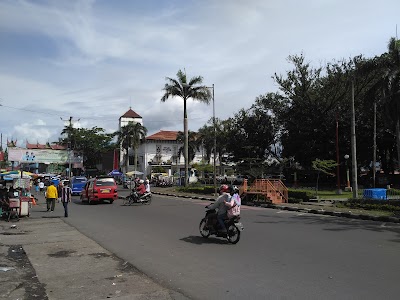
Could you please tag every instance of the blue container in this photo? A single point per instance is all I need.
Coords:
(379, 194)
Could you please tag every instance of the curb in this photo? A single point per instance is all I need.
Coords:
(307, 210)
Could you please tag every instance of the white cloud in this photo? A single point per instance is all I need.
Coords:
(94, 59)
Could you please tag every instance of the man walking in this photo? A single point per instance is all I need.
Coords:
(51, 196)
(66, 195)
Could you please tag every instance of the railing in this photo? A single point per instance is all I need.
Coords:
(272, 189)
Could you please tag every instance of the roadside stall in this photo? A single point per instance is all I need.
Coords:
(19, 197)
(23, 185)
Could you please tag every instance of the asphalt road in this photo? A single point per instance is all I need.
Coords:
(281, 254)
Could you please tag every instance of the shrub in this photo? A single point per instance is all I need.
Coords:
(296, 196)
(197, 189)
(374, 204)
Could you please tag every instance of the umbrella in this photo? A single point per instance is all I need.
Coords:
(131, 173)
(114, 173)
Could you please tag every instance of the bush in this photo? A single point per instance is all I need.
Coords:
(296, 196)
(197, 189)
(374, 204)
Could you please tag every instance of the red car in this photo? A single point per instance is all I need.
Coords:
(99, 189)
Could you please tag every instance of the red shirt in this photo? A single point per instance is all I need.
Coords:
(141, 189)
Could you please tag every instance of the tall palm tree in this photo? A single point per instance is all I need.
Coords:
(130, 136)
(185, 89)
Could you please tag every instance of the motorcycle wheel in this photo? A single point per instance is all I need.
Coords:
(204, 231)
(148, 200)
(233, 234)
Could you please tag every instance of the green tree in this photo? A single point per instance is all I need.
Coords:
(192, 89)
(391, 89)
(90, 143)
(206, 139)
(250, 136)
(130, 136)
(323, 166)
(193, 144)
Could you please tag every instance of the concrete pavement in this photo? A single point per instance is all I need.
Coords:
(42, 257)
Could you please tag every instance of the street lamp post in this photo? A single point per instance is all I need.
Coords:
(215, 142)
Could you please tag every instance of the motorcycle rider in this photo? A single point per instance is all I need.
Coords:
(220, 204)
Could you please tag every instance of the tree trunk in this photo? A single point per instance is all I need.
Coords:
(398, 142)
(127, 160)
(186, 142)
(135, 159)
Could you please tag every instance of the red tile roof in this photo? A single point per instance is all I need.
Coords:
(130, 114)
(163, 136)
(45, 146)
(36, 146)
(58, 147)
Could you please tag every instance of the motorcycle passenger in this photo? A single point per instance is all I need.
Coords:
(234, 203)
(220, 204)
(147, 185)
(141, 189)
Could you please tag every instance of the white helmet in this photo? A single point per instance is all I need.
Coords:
(141, 181)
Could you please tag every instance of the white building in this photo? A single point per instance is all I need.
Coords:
(129, 116)
(158, 149)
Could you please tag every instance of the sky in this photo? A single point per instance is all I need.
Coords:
(93, 60)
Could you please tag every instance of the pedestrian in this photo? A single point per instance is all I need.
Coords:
(41, 185)
(66, 196)
(59, 189)
(51, 196)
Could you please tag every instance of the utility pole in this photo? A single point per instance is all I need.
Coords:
(374, 154)
(215, 146)
(339, 190)
(353, 143)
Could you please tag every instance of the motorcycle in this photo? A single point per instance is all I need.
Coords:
(209, 226)
(135, 198)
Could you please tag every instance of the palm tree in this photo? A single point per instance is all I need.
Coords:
(130, 136)
(180, 87)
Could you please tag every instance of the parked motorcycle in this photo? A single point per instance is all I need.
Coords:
(209, 226)
(135, 198)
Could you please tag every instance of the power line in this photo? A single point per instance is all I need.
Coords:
(94, 118)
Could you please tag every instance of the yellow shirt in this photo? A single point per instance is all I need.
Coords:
(51, 192)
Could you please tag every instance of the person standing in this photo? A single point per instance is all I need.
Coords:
(66, 196)
(51, 196)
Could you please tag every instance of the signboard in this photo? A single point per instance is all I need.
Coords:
(47, 156)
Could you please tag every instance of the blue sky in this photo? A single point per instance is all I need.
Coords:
(92, 60)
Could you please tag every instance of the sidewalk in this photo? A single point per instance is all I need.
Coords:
(42, 257)
(323, 208)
